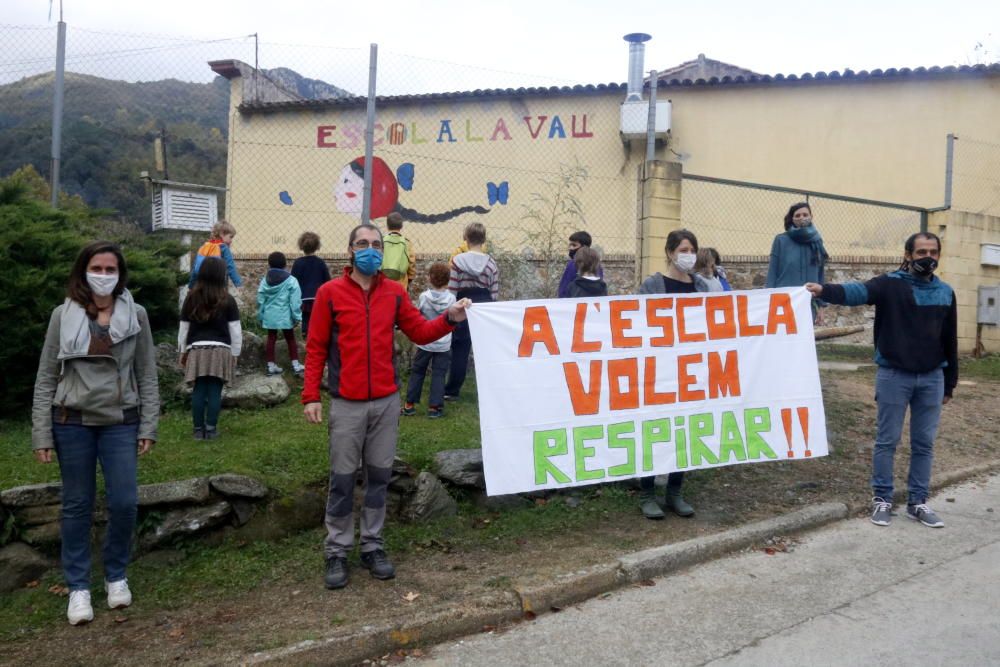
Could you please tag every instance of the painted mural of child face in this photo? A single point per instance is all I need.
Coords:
(347, 193)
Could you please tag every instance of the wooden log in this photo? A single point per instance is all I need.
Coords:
(837, 332)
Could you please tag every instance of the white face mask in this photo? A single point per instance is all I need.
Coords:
(102, 284)
(685, 261)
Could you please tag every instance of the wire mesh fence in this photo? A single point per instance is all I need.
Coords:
(282, 127)
(743, 219)
(976, 176)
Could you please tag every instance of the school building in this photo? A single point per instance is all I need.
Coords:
(534, 164)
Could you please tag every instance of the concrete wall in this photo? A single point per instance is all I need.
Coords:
(962, 235)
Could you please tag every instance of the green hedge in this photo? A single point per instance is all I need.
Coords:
(37, 247)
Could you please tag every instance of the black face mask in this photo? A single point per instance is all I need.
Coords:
(572, 252)
(924, 266)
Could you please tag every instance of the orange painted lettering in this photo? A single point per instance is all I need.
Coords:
(665, 322)
(780, 313)
(585, 401)
(723, 377)
(685, 379)
(649, 394)
(537, 328)
(682, 334)
(746, 329)
(620, 325)
(627, 399)
(714, 306)
(579, 344)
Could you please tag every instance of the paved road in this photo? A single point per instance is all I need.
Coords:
(849, 594)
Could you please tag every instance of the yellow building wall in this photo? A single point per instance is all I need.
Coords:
(874, 139)
(962, 236)
(284, 169)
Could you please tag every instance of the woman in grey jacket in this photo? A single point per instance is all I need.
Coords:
(96, 399)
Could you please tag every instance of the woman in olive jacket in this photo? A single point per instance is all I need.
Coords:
(96, 399)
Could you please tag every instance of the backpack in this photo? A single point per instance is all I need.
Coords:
(395, 258)
(207, 249)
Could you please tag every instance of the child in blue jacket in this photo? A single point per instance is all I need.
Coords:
(279, 308)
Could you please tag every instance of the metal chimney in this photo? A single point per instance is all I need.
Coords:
(636, 52)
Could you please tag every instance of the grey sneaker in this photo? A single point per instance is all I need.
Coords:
(924, 515)
(650, 508)
(199, 433)
(211, 433)
(881, 512)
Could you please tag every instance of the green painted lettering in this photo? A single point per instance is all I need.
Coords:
(702, 425)
(731, 440)
(617, 440)
(757, 421)
(548, 444)
(581, 452)
(654, 432)
(680, 443)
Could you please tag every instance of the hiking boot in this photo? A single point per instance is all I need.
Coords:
(678, 505)
(119, 596)
(378, 564)
(211, 433)
(298, 368)
(274, 369)
(408, 410)
(925, 515)
(79, 609)
(881, 512)
(435, 411)
(650, 508)
(199, 433)
(336, 572)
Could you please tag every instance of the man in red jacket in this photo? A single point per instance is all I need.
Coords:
(351, 330)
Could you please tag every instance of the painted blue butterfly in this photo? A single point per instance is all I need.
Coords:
(285, 198)
(497, 193)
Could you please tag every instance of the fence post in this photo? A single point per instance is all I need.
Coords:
(949, 164)
(366, 207)
(659, 211)
(57, 109)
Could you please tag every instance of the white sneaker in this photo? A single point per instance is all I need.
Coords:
(298, 368)
(119, 595)
(79, 610)
(274, 369)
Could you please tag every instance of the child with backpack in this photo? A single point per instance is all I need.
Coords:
(437, 355)
(217, 246)
(210, 338)
(279, 308)
(311, 272)
(398, 261)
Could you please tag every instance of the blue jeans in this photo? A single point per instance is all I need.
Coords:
(438, 361)
(894, 391)
(79, 448)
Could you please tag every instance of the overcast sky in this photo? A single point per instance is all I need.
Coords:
(461, 43)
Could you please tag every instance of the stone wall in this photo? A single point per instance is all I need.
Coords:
(30, 518)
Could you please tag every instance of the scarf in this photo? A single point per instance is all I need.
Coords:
(74, 326)
(810, 236)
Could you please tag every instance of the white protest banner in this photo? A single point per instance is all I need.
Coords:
(578, 391)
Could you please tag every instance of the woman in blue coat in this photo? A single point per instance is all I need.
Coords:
(798, 256)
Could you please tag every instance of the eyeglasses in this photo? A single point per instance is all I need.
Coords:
(362, 244)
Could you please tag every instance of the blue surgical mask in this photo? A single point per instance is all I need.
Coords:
(368, 261)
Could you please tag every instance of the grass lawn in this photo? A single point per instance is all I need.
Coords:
(276, 445)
